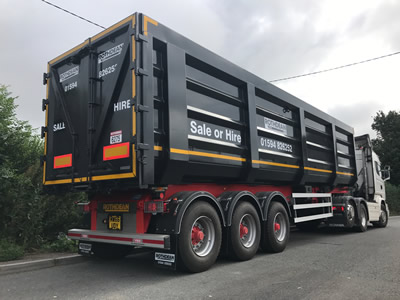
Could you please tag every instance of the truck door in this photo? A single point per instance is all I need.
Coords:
(374, 206)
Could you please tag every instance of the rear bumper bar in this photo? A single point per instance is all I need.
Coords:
(159, 241)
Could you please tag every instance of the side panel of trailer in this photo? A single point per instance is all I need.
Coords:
(215, 122)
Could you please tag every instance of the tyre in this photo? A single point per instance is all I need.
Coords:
(245, 232)
(200, 238)
(350, 215)
(362, 226)
(383, 218)
(308, 226)
(276, 229)
(110, 251)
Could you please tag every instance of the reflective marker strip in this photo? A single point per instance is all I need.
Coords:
(317, 170)
(110, 238)
(63, 161)
(147, 20)
(153, 242)
(117, 238)
(116, 151)
(344, 173)
(74, 234)
(206, 154)
(275, 164)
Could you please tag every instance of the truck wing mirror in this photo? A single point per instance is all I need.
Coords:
(385, 173)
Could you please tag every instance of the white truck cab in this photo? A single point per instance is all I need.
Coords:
(371, 180)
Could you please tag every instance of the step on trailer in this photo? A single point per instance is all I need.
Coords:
(184, 152)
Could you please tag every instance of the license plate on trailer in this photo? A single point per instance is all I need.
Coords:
(115, 222)
(85, 248)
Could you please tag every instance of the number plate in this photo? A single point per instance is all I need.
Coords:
(115, 222)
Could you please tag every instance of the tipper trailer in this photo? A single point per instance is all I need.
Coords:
(184, 152)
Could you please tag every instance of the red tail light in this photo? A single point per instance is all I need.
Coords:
(154, 207)
(339, 208)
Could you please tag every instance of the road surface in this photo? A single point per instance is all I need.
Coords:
(327, 264)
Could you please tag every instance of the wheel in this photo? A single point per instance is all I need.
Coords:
(200, 238)
(362, 219)
(110, 251)
(276, 229)
(245, 232)
(350, 215)
(308, 226)
(383, 218)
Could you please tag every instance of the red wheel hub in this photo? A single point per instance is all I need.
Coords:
(197, 235)
(277, 226)
(243, 230)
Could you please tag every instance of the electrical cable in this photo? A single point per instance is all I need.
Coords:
(71, 13)
(275, 80)
(336, 68)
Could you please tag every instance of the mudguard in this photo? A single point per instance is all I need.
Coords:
(265, 199)
(358, 201)
(228, 201)
(178, 203)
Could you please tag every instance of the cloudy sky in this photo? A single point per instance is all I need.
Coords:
(273, 39)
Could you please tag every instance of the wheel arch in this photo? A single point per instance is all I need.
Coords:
(229, 201)
(266, 198)
(188, 198)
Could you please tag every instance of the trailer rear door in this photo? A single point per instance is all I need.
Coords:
(90, 115)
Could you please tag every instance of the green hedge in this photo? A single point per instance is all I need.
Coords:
(10, 250)
(393, 198)
(29, 219)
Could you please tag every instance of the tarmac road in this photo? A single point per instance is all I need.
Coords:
(327, 264)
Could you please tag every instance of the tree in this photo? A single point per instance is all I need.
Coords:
(19, 194)
(387, 143)
(28, 217)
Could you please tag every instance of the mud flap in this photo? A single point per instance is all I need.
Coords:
(85, 248)
(167, 258)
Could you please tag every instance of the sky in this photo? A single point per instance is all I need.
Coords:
(270, 38)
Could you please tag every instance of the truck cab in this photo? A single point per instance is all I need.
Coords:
(371, 179)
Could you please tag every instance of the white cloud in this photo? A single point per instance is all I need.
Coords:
(272, 39)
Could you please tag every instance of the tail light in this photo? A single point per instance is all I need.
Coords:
(154, 207)
(338, 208)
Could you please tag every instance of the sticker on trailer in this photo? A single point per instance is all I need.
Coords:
(58, 126)
(71, 86)
(108, 70)
(69, 74)
(164, 257)
(110, 53)
(122, 105)
(275, 125)
(274, 145)
(214, 132)
(116, 137)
